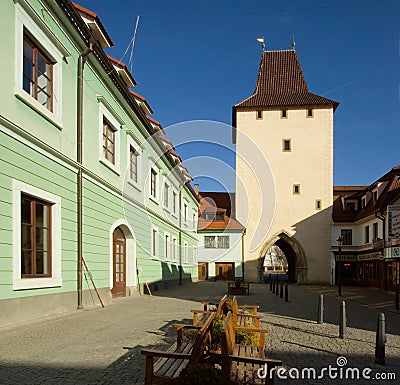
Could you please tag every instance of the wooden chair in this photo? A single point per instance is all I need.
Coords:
(245, 319)
(200, 315)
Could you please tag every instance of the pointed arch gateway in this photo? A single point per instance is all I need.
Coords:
(295, 255)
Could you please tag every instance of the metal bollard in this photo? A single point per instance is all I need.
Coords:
(321, 309)
(281, 290)
(380, 340)
(273, 287)
(270, 283)
(396, 301)
(343, 321)
(277, 288)
(286, 293)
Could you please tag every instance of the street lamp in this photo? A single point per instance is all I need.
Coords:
(340, 243)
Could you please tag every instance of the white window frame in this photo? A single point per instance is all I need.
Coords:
(155, 246)
(167, 246)
(104, 112)
(169, 200)
(174, 256)
(55, 280)
(185, 253)
(195, 258)
(157, 187)
(23, 20)
(185, 213)
(138, 150)
(194, 220)
(174, 208)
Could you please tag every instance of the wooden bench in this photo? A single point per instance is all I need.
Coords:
(182, 353)
(243, 289)
(240, 363)
(244, 319)
(200, 315)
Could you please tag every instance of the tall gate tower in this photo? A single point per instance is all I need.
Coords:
(284, 170)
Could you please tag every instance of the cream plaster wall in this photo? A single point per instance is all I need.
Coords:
(309, 164)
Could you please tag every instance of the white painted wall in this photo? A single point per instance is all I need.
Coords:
(212, 256)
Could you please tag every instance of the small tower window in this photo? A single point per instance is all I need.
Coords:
(259, 115)
(284, 114)
(310, 113)
(318, 204)
(296, 189)
(286, 145)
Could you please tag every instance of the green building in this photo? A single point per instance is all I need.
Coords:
(87, 178)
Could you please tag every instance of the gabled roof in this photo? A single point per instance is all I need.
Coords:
(142, 103)
(389, 195)
(281, 83)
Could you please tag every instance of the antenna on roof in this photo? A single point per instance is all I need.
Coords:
(293, 43)
(261, 40)
(133, 43)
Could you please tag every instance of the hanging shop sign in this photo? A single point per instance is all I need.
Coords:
(392, 252)
(367, 257)
(393, 221)
(346, 258)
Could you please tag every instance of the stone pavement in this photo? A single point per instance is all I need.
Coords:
(102, 346)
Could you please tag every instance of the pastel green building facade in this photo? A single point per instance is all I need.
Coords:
(151, 207)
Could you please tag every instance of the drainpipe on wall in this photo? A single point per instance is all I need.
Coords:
(243, 234)
(180, 237)
(81, 63)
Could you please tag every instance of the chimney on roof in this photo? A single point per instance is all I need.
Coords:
(196, 189)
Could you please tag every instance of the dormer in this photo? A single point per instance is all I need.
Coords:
(123, 71)
(156, 125)
(142, 102)
(96, 27)
(350, 205)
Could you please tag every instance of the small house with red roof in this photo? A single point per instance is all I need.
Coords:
(220, 234)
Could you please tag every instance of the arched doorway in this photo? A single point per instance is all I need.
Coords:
(294, 253)
(119, 263)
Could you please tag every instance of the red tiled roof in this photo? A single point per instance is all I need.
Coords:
(281, 82)
(389, 195)
(222, 199)
(153, 120)
(142, 99)
(210, 203)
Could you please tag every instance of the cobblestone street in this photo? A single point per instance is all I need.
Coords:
(102, 346)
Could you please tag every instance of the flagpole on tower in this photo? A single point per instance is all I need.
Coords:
(261, 40)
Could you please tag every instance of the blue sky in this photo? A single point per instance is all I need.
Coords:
(194, 59)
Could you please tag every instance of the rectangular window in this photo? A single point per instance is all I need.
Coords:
(318, 204)
(174, 200)
(209, 242)
(366, 234)
(347, 235)
(166, 246)
(286, 145)
(259, 115)
(375, 230)
(296, 189)
(194, 221)
(284, 114)
(166, 195)
(36, 229)
(37, 74)
(174, 249)
(223, 242)
(108, 141)
(310, 113)
(153, 183)
(185, 253)
(133, 165)
(185, 212)
(194, 255)
(375, 196)
(350, 206)
(154, 243)
(363, 202)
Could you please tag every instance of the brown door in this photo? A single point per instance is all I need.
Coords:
(225, 271)
(119, 264)
(203, 271)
